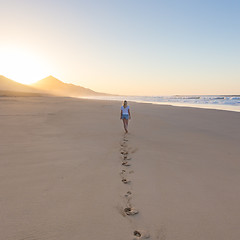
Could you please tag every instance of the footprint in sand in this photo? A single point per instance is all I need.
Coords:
(140, 234)
(128, 194)
(125, 163)
(124, 156)
(125, 181)
(124, 152)
(131, 211)
(124, 172)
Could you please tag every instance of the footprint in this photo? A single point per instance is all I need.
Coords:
(124, 180)
(140, 234)
(123, 149)
(125, 163)
(130, 211)
(128, 194)
(122, 173)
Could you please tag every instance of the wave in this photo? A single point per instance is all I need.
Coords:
(215, 101)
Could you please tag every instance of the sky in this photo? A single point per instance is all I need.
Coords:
(130, 47)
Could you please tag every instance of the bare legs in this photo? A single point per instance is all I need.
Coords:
(125, 124)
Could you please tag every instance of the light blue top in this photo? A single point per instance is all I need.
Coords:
(125, 110)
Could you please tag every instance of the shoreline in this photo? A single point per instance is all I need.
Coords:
(229, 108)
(223, 107)
(192, 105)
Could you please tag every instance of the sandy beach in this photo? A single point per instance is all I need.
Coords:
(61, 171)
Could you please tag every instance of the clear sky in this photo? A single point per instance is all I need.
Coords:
(138, 47)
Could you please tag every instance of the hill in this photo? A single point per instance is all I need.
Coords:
(7, 84)
(55, 86)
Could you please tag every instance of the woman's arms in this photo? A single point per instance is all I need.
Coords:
(129, 114)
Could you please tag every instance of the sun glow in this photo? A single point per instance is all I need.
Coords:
(21, 65)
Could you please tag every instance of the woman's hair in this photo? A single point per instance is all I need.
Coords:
(125, 103)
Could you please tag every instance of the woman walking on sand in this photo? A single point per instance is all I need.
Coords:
(125, 115)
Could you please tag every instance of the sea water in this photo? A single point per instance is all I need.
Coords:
(222, 102)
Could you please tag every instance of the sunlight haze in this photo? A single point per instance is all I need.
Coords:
(21, 65)
(133, 47)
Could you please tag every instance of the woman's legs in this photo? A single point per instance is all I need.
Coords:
(125, 124)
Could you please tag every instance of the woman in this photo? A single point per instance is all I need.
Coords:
(125, 115)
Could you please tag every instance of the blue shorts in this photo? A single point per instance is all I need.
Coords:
(125, 116)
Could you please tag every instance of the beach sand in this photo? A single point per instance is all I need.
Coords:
(61, 171)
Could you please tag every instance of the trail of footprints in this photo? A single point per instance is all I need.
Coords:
(129, 209)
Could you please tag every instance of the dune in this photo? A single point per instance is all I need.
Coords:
(63, 177)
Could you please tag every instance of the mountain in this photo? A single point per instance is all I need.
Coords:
(7, 84)
(54, 86)
(49, 85)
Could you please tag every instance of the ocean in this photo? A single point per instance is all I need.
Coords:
(221, 102)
